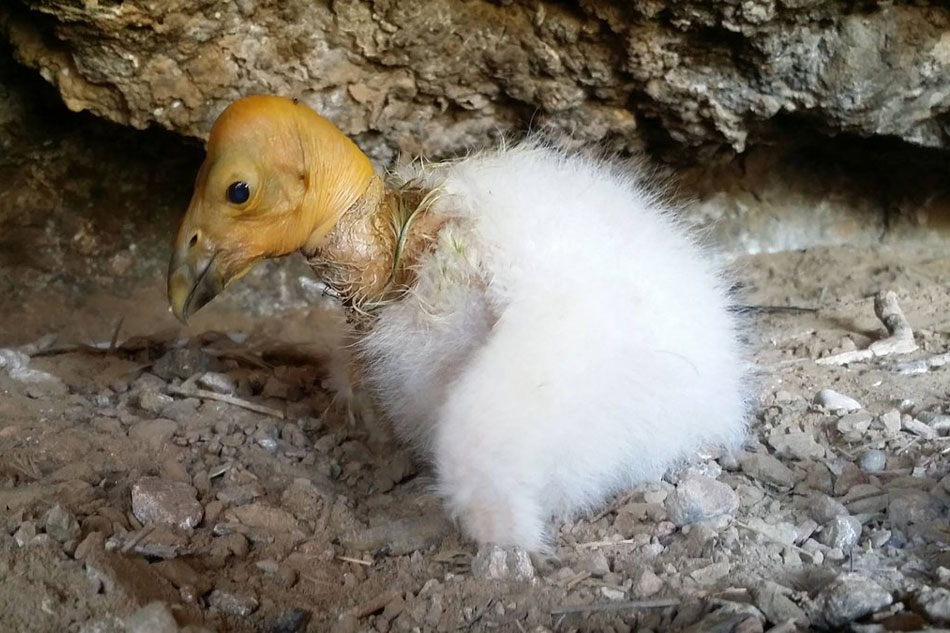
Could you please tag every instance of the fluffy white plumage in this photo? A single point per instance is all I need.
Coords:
(565, 339)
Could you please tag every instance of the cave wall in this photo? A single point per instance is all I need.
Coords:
(440, 76)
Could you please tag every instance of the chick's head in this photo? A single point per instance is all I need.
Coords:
(276, 178)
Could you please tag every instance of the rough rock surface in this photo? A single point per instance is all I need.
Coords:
(441, 79)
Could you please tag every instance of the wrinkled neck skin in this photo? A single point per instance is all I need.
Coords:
(356, 257)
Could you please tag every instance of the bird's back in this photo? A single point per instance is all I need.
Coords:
(603, 326)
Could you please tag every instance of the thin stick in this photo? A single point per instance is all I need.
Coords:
(616, 606)
(900, 341)
(138, 538)
(220, 397)
(113, 342)
(356, 561)
(606, 543)
(613, 507)
(576, 580)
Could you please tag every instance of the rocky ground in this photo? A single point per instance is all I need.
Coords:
(205, 480)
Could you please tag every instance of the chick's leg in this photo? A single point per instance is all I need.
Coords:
(488, 514)
(493, 465)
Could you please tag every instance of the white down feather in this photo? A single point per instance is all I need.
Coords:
(565, 339)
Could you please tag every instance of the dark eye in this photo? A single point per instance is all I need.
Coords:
(238, 192)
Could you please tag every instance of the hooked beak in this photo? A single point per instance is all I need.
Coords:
(194, 279)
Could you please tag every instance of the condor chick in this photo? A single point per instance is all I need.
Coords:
(539, 326)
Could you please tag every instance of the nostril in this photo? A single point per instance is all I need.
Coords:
(193, 241)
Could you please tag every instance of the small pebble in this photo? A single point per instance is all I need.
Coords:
(290, 621)
(934, 602)
(155, 617)
(842, 532)
(767, 469)
(891, 421)
(157, 500)
(873, 461)
(594, 563)
(646, 583)
(834, 401)
(853, 426)
(499, 563)
(847, 598)
(613, 593)
(912, 425)
(241, 605)
(61, 525)
(797, 445)
(698, 498)
(823, 508)
(25, 533)
(219, 383)
(773, 600)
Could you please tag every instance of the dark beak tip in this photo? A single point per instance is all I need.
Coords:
(182, 317)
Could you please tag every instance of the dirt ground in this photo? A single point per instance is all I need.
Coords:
(306, 523)
(155, 478)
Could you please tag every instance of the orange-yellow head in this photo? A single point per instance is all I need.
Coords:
(276, 178)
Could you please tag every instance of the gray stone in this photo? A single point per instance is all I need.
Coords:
(17, 365)
(234, 604)
(772, 600)
(61, 524)
(834, 401)
(502, 563)
(934, 602)
(797, 445)
(698, 498)
(157, 500)
(153, 401)
(182, 363)
(290, 621)
(842, 532)
(711, 574)
(908, 506)
(769, 470)
(646, 583)
(155, 617)
(613, 593)
(891, 421)
(239, 495)
(779, 532)
(912, 425)
(849, 597)
(25, 534)
(853, 426)
(214, 381)
(873, 461)
(594, 563)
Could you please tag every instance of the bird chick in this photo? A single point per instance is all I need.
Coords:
(535, 324)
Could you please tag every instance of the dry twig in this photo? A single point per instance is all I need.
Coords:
(616, 606)
(220, 397)
(355, 561)
(900, 341)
